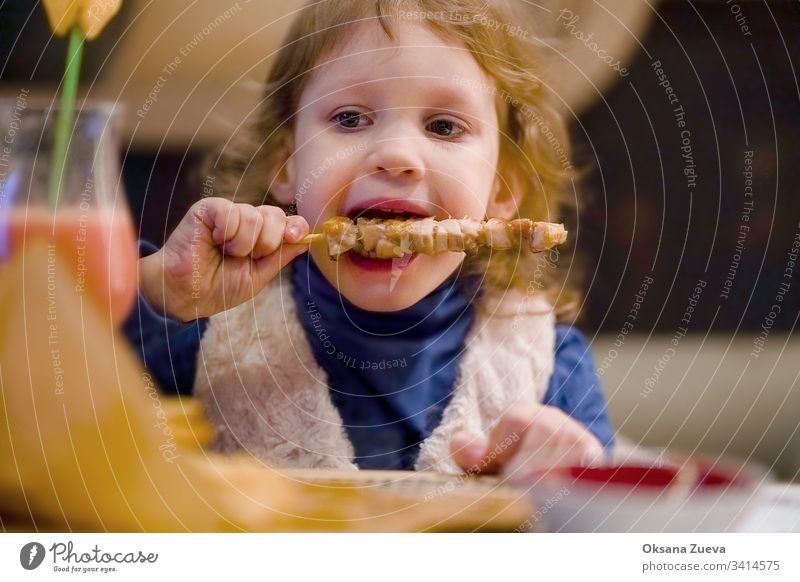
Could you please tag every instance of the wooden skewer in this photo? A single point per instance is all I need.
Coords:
(311, 238)
(527, 234)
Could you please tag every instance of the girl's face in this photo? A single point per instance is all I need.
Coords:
(408, 126)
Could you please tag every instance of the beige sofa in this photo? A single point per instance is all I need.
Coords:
(711, 394)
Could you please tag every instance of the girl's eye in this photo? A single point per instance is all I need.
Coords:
(447, 128)
(349, 119)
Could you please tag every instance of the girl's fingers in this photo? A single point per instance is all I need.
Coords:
(296, 229)
(481, 456)
(246, 235)
(569, 447)
(279, 229)
(507, 436)
(219, 216)
(271, 254)
(270, 236)
(467, 451)
(244, 230)
(527, 438)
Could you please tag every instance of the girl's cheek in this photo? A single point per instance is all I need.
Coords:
(468, 204)
(316, 206)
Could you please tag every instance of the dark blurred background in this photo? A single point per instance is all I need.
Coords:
(640, 217)
(637, 215)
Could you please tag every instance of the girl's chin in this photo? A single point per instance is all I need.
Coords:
(386, 285)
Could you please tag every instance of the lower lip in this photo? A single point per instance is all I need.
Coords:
(379, 265)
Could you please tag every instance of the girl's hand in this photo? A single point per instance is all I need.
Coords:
(220, 255)
(527, 438)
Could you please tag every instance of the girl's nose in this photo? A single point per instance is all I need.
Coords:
(399, 157)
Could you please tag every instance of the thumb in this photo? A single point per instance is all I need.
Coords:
(467, 450)
(266, 268)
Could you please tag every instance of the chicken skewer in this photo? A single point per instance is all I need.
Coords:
(392, 238)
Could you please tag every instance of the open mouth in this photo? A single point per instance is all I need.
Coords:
(384, 214)
(373, 264)
(393, 210)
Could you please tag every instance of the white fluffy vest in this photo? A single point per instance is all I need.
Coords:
(264, 391)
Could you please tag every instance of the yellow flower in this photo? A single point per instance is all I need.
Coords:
(91, 15)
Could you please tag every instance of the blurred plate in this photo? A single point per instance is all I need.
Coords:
(696, 495)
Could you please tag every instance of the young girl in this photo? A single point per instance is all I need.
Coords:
(425, 108)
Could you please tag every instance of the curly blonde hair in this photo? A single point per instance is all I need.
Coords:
(534, 157)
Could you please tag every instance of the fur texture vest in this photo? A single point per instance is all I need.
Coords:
(264, 391)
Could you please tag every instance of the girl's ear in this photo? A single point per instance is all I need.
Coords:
(505, 199)
(282, 178)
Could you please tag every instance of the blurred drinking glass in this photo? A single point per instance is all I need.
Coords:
(85, 221)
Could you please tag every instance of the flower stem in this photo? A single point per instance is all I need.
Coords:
(65, 116)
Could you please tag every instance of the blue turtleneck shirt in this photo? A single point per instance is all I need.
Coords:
(390, 374)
